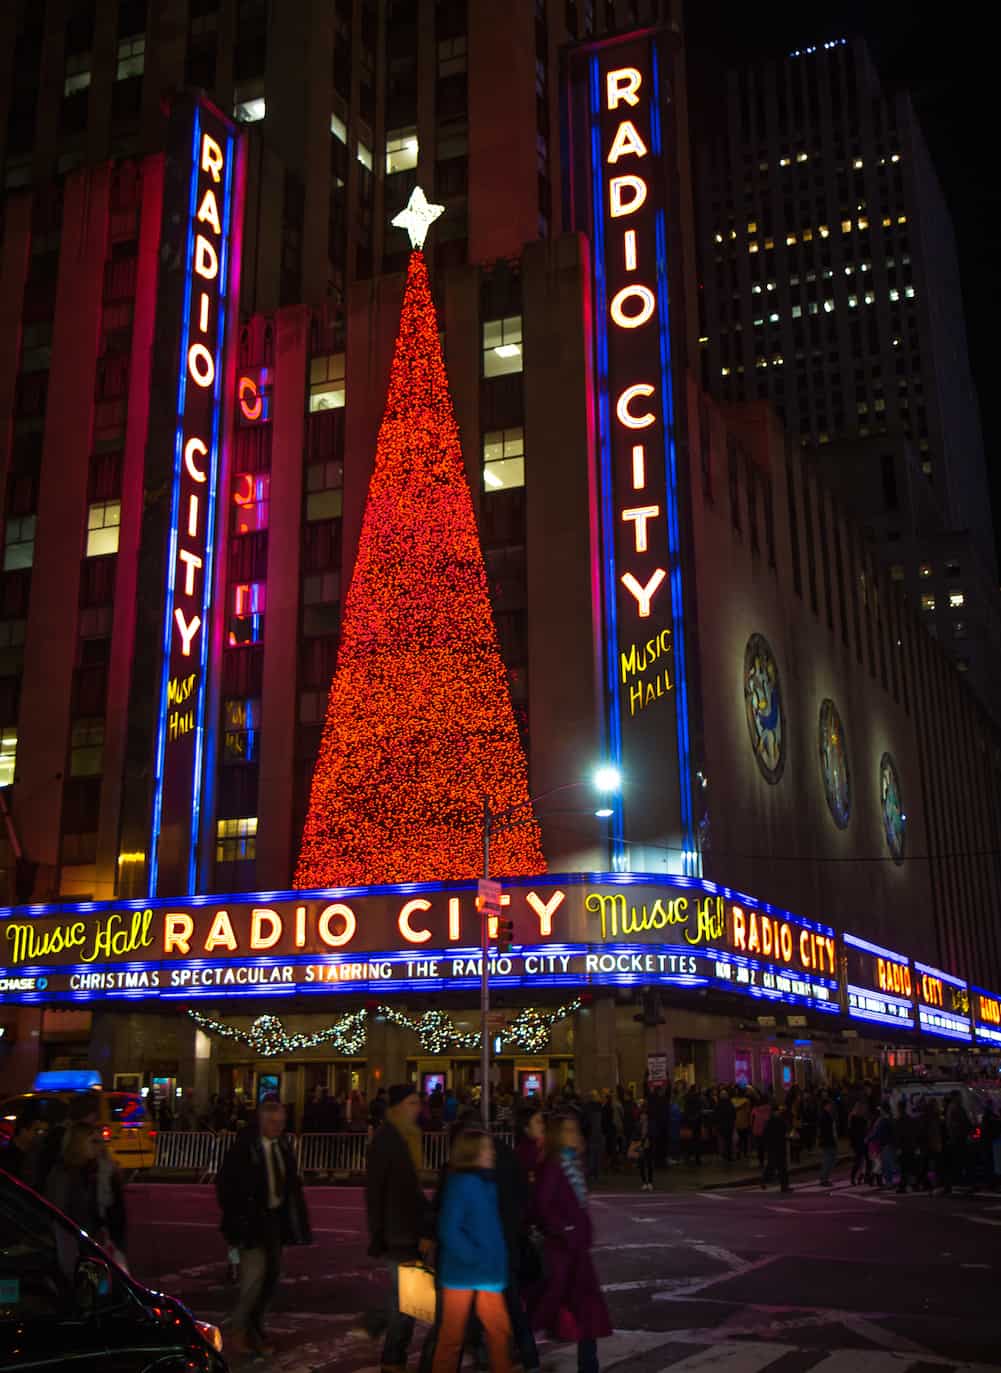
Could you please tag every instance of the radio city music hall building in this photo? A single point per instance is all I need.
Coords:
(801, 869)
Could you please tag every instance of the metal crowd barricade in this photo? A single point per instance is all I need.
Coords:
(202, 1152)
(191, 1151)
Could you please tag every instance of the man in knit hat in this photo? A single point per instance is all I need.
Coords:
(400, 1218)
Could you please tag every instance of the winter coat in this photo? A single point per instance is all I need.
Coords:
(74, 1192)
(760, 1117)
(858, 1128)
(774, 1138)
(742, 1111)
(399, 1214)
(568, 1300)
(472, 1252)
(827, 1128)
(242, 1190)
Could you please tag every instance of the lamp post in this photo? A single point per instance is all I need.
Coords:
(607, 781)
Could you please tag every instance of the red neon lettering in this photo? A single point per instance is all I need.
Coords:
(254, 407)
(639, 515)
(201, 365)
(643, 594)
(622, 84)
(187, 629)
(626, 143)
(212, 158)
(617, 186)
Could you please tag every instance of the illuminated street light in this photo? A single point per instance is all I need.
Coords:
(607, 778)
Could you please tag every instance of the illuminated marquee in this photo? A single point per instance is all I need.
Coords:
(986, 1016)
(568, 931)
(879, 984)
(210, 282)
(622, 193)
(943, 1003)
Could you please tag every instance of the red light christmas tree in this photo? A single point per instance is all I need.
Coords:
(419, 725)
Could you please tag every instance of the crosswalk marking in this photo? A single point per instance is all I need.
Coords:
(864, 1361)
(749, 1357)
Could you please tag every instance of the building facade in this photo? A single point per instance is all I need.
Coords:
(831, 289)
(675, 586)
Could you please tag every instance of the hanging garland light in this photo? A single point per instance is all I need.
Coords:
(436, 1031)
(528, 1032)
(268, 1037)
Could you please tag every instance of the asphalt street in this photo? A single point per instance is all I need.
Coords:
(841, 1281)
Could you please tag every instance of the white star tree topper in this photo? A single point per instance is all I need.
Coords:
(417, 217)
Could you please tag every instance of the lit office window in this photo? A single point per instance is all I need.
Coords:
(246, 616)
(925, 570)
(928, 601)
(364, 155)
(19, 543)
(324, 490)
(236, 840)
(131, 57)
(87, 748)
(251, 501)
(76, 73)
(326, 382)
(956, 600)
(502, 346)
(338, 128)
(104, 520)
(249, 110)
(401, 150)
(503, 459)
(959, 629)
(8, 755)
(241, 726)
(452, 56)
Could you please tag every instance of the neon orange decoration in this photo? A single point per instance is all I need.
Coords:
(419, 725)
(623, 413)
(647, 305)
(618, 205)
(622, 84)
(644, 594)
(627, 142)
(250, 398)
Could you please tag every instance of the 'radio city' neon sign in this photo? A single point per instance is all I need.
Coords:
(209, 281)
(619, 128)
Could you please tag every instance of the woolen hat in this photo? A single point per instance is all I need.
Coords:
(401, 1092)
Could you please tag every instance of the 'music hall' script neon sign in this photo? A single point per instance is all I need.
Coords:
(207, 287)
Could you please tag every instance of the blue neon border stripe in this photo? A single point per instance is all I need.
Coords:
(610, 578)
(671, 484)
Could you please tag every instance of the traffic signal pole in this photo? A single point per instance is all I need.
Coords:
(485, 979)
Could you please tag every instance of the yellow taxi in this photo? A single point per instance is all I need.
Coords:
(121, 1116)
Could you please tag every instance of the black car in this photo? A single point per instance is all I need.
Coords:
(64, 1304)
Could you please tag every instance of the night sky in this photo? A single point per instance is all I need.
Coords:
(952, 76)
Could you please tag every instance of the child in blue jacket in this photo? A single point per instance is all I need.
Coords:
(472, 1256)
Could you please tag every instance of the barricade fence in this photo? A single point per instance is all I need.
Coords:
(202, 1151)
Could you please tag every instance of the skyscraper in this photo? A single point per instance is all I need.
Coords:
(831, 289)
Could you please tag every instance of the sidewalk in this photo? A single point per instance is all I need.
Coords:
(712, 1174)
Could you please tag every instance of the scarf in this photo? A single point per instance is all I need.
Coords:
(411, 1134)
(574, 1174)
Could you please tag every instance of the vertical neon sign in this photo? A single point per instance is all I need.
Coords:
(208, 286)
(616, 131)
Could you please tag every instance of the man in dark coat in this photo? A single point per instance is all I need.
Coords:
(263, 1208)
(776, 1148)
(400, 1217)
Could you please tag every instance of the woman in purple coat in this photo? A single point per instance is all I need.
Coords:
(568, 1301)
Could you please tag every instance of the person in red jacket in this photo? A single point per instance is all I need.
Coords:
(568, 1301)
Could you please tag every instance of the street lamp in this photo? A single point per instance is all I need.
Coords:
(606, 779)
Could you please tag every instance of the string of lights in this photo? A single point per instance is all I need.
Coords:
(268, 1037)
(528, 1032)
(419, 728)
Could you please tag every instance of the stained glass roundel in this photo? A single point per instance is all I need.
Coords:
(891, 808)
(764, 708)
(834, 767)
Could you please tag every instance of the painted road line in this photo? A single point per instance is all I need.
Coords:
(742, 1357)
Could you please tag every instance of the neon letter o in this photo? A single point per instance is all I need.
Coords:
(201, 365)
(647, 301)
